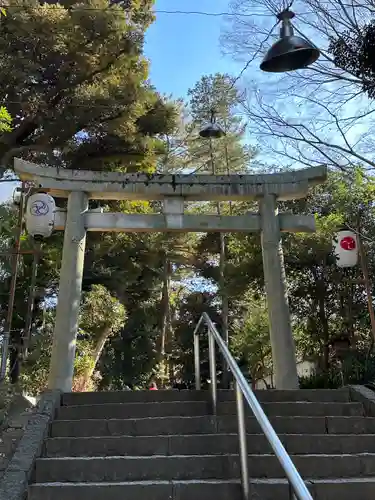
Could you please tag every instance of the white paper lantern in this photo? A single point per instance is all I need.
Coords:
(40, 215)
(345, 246)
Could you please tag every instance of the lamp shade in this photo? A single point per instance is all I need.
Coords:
(211, 131)
(290, 52)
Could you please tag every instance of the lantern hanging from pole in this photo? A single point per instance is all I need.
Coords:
(40, 215)
(345, 247)
(291, 52)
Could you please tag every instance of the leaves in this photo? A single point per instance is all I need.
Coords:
(74, 80)
(5, 120)
(100, 312)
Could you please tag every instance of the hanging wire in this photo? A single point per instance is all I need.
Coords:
(236, 79)
(256, 53)
(215, 14)
(157, 11)
(177, 12)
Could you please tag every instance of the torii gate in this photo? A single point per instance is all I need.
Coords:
(79, 186)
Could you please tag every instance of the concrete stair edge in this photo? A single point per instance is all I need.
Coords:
(185, 490)
(207, 425)
(201, 408)
(185, 467)
(329, 395)
(198, 443)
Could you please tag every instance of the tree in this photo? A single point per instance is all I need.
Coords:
(77, 88)
(191, 307)
(74, 81)
(46, 283)
(35, 368)
(354, 51)
(131, 267)
(101, 316)
(335, 299)
(251, 339)
(312, 116)
(326, 302)
(216, 95)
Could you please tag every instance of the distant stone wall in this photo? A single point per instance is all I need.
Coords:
(304, 369)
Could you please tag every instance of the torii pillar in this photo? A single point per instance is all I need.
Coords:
(281, 335)
(173, 190)
(70, 288)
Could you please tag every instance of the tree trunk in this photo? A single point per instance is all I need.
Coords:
(324, 323)
(165, 307)
(224, 305)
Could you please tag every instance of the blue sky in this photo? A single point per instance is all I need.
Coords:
(181, 48)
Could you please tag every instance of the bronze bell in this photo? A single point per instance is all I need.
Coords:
(211, 131)
(290, 52)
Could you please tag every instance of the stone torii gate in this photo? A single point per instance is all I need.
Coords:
(80, 186)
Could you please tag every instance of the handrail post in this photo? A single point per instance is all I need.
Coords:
(213, 377)
(197, 362)
(242, 438)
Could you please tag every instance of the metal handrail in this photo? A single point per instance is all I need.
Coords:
(297, 486)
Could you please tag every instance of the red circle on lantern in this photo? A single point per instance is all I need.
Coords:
(348, 243)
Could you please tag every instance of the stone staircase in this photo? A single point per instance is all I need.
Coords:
(161, 445)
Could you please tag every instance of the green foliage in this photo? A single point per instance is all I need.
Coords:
(250, 339)
(129, 359)
(34, 374)
(216, 93)
(73, 78)
(190, 310)
(100, 312)
(101, 316)
(5, 119)
(358, 368)
(230, 154)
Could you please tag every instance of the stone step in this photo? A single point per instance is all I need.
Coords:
(197, 467)
(300, 409)
(135, 410)
(209, 425)
(196, 408)
(211, 444)
(345, 489)
(312, 395)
